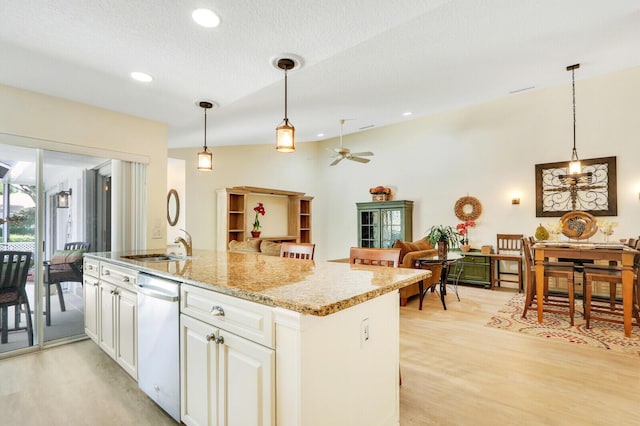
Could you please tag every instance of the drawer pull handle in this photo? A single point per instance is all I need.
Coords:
(217, 311)
(215, 338)
(106, 272)
(125, 279)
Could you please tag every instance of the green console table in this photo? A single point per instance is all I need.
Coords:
(474, 269)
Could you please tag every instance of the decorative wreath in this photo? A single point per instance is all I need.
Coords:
(476, 208)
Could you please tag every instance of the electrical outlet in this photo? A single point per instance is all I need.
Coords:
(364, 332)
(156, 232)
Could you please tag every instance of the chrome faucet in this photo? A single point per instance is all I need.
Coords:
(185, 242)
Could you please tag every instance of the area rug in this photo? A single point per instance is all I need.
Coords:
(602, 334)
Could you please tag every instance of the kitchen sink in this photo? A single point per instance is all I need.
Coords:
(154, 257)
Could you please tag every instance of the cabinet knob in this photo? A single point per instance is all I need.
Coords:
(217, 311)
(215, 338)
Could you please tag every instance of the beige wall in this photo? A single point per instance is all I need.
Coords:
(82, 127)
(487, 151)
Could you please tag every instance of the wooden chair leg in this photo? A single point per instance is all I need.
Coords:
(571, 291)
(29, 322)
(587, 302)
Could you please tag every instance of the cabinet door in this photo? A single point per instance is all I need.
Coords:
(91, 314)
(391, 226)
(369, 228)
(126, 332)
(107, 318)
(198, 373)
(246, 382)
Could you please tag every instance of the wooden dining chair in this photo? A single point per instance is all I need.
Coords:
(14, 269)
(386, 257)
(375, 256)
(303, 251)
(508, 261)
(552, 301)
(612, 310)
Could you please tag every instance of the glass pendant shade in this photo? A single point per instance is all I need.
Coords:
(205, 160)
(285, 137)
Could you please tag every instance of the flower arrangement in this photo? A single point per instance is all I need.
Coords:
(554, 228)
(380, 190)
(259, 209)
(463, 230)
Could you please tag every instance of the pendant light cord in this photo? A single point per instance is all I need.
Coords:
(573, 87)
(205, 129)
(286, 72)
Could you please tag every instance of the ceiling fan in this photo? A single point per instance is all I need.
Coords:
(345, 153)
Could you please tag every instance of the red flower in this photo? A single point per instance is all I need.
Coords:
(259, 209)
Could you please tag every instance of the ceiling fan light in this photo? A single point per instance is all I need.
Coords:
(285, 137)
(205, 160)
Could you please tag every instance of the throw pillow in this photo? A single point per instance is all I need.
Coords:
(249, 246)
(423, 244)
(270, 248)
(67, 256)
(404, 248)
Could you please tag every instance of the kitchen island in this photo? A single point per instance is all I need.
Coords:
(281, 341)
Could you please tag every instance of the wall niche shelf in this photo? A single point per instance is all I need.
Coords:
(235, 216)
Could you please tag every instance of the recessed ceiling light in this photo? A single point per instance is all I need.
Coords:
(141, 76)
(320, 135)
(406, 114)
(205, 17)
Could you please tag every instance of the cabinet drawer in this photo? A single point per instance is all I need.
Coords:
(123, 277)
(484, 260)
(242, 317)
(91, 267)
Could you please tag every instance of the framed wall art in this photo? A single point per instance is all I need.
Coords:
(598, 196)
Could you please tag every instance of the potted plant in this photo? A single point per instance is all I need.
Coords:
(442, 237)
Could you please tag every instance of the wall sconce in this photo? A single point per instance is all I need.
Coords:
(63, 199)
(515, 198)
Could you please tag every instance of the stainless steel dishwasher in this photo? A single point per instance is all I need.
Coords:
(159, 341)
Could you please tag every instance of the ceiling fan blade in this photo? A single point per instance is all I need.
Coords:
(362, 154)
(336, 161)
(358, 159)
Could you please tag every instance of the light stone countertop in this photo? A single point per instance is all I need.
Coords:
(308, 287)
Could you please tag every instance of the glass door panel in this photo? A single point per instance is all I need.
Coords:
(74, 188)
(18, 233)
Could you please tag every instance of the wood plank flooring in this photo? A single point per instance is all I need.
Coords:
(455, 370)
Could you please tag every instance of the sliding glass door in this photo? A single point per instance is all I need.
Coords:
(56, 206)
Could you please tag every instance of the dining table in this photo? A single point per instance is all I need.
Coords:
(585, 251)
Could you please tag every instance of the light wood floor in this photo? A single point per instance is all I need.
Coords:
(455, 370)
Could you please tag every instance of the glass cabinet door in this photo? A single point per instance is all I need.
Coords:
(369, 228)
(390, 227)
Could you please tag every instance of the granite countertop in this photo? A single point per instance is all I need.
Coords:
(308, 287)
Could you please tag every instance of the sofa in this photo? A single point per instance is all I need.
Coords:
(265, 247)
(409, 252)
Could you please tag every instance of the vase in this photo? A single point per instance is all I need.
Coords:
(255, 234)
(465, 248)
(443, 249)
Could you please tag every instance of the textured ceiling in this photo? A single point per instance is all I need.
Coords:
(369, 60)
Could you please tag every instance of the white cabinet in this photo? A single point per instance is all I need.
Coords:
(226, 379)
(90, 294)
(111, 312)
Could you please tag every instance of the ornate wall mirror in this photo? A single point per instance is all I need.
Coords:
(173, 207)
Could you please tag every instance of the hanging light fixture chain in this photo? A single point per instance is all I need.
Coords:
(286, 72)
(205, 129)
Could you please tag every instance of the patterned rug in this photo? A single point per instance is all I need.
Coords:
(602, 334)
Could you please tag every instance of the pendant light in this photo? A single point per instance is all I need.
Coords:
(205, 158)
(285, 132)
(575, 175)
